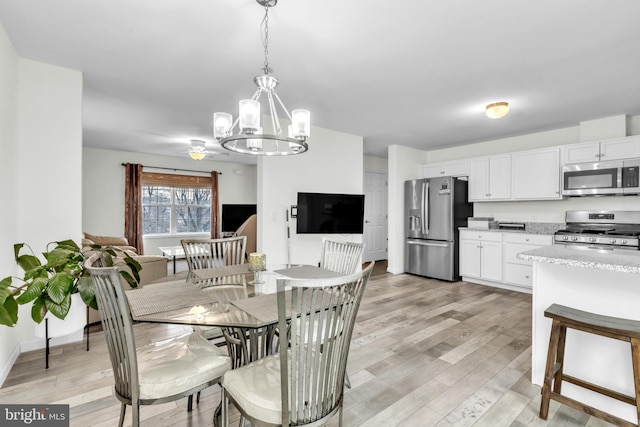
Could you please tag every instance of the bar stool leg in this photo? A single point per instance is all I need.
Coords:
(557, 378)
(548, 372)
(635, 361)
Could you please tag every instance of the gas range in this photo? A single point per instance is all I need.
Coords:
(601, 230)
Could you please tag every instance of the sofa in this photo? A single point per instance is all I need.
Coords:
(249, 229)
(154, 267)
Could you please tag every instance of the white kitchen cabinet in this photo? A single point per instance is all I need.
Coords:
(490, 178)
(450, 168)
(612, 149)
(481, 255)
(536, 174)
(519, 272)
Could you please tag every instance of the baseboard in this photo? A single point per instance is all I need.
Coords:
(7, 368)
(500, 285)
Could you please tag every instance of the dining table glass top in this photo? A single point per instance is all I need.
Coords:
(192, 299)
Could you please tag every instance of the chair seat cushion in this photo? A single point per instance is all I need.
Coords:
(256, 388)
(179, 364)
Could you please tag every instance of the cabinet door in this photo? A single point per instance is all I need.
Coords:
(624, 148)
(491, 261)
(469, 258)
(536, 174)
(580, 153)
(478, 179)
(500, 177)
(456, 168)
(432, 170)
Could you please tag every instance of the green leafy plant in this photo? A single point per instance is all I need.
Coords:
(49, 285)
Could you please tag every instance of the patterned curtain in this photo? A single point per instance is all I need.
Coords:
(133, 205)
(215, 207)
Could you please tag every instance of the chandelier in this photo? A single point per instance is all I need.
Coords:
(249, 138)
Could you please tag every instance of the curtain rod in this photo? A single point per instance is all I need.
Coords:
(173, 169)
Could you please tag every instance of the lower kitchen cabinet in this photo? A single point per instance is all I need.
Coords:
(491, 258)
(481, 255)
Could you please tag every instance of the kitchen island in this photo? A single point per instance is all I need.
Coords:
(599, 281)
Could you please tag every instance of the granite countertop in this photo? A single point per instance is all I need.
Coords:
(529, 228)
(620, 261)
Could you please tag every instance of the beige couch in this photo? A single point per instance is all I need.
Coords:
(154, 267)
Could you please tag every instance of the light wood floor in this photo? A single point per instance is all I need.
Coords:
(424, 353)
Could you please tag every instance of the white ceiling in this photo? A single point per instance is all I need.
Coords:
(410, 72)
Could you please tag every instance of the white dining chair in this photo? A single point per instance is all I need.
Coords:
(341, 257)
(303, 384)
(211, 253)
(158, 372)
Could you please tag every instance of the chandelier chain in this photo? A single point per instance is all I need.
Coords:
(265, 39)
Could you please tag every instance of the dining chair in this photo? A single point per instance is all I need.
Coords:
(211, 253)
(303, 384)
(155, 373)
(341, 257)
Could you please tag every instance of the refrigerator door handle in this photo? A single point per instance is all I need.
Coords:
(423, 243)
(425, 207)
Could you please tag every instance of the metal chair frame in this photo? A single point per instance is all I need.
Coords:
(211, 253)
(341, 257)
(313, 364)
(117, 325)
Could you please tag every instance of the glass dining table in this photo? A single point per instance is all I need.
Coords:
(220, 297)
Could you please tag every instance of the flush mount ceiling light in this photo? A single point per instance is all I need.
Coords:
(250, 139)
(198, 150)
(497, 110)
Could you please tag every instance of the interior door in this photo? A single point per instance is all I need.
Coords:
(375, 217)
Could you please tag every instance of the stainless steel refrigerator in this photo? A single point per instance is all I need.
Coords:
(435, 208)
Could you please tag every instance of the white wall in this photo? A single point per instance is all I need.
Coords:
(9, 337)
(403, 165)
(103, 193)
(40, 171)
(333, 164)
(376, 164)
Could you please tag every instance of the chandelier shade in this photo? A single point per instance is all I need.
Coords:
(249, 137)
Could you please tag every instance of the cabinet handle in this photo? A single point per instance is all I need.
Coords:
(527, 276)
(526, 240)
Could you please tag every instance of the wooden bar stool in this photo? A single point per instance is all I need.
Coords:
(611, 327)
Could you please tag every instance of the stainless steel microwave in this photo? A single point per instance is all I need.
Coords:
(611, 177)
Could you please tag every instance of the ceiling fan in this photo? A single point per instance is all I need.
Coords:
(198, 150)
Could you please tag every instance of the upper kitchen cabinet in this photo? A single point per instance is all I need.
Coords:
(490, 178)
(536, 174)
(450, 168)
(612, 149)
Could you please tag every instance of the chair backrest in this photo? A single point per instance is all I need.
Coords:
(341, 257)
(322, 314)
(210, 253)
(117, 325)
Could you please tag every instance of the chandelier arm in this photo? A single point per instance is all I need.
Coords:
(256, 94)
(275, 122)
(283, 107)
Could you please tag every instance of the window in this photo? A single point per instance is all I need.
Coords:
(173, 204)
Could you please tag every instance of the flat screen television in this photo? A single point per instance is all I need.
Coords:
(324, 213)
(234, 215)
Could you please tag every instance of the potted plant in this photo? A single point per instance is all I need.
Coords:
(49, 285)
